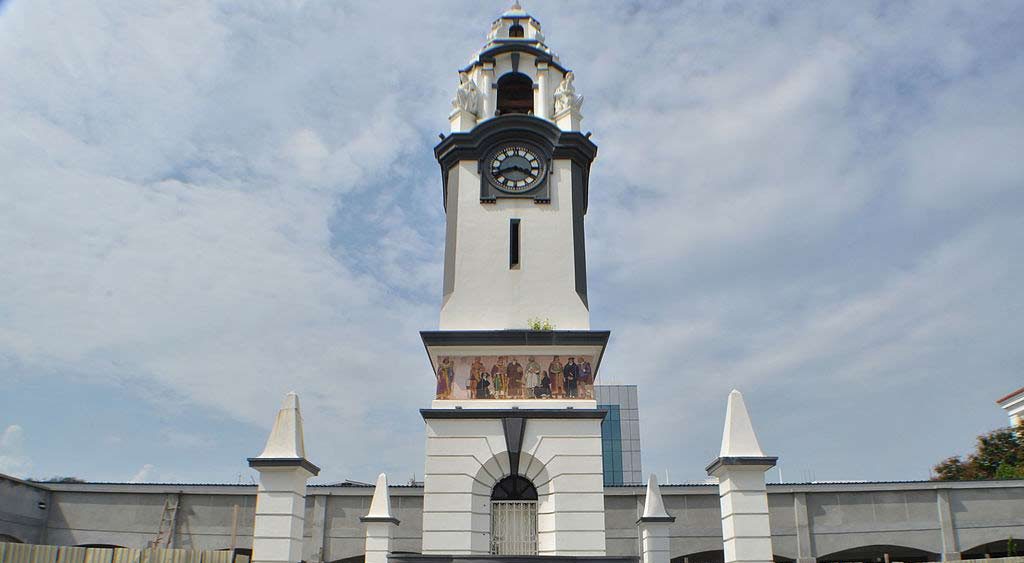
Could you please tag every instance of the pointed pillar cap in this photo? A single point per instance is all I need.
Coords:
(285, 445)
(654, 505)
(380, 506)
(739, 442)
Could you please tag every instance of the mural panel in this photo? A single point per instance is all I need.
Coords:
(515, 377)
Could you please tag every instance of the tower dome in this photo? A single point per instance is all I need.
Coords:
(515, 72)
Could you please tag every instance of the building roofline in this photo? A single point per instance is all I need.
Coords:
(1013, 394)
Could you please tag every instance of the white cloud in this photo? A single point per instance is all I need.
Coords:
(13, 460)
(142, 475)
(227, 204)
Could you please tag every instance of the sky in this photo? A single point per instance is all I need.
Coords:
(205, 204)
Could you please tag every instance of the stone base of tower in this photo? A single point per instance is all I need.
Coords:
(516, 468)
(468, 454)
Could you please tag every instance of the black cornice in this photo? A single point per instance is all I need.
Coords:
(523, 337)
(302, 462)
(501, 48)
(475, 144)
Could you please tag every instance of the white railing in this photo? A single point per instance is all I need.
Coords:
(514, 527)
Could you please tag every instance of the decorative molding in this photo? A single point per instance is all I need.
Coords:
(256, 462)
(481, 414)
(767, 462)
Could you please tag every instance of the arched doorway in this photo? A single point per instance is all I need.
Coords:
(514, 517)
(515, 94)
(879, 554)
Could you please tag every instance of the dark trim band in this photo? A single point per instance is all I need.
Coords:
(518, 337)
(391, 520)
(480, 414)
(767, 462)
(284, 462)
(645, 519)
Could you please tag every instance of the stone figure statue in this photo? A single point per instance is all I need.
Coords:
(565, 95)
(467, 97)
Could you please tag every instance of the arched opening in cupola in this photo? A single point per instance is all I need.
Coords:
(516, 30)
(515, 94)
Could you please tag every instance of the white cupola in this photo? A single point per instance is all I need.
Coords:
(515, 72)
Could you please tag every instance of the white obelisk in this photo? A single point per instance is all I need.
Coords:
(380, 523)
(281, 494)
(740, 468)
(654, 526)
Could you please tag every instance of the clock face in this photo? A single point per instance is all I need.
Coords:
(516, 168)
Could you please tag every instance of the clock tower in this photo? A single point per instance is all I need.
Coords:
(513, 454)
(515, 170)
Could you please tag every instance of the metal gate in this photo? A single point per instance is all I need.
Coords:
(514, 527)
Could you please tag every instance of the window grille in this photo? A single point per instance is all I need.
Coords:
(514, 527)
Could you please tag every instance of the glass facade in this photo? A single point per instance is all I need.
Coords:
(620, 434)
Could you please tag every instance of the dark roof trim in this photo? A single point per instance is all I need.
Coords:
(765, 461)
(391, 520)
(523, 337)
(488, 55)
(471, 414)
(646, 519)
(284, 462)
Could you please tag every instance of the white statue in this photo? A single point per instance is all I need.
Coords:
(467, 97)
(565, 95)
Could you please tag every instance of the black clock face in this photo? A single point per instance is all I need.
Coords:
(516, 168)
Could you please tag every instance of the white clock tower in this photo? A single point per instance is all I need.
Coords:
(515, 170)
(513, 463)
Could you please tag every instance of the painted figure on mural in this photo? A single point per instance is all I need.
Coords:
(532, 376)
(557, 378)
(445, 377)
(515, 379)
(483, 387)
(544, 389)
(498, 371)
(571, 374)
(586, 378)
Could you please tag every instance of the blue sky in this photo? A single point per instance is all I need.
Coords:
(206, 204)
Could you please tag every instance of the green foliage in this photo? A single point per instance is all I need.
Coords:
(537, 323)
(1011, 547)
(998, 455)
(59, 479)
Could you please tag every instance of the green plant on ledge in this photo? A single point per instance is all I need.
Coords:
(537, 323)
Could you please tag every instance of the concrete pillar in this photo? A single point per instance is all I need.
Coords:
(462, 121)
(380, 523)
(740, 468)
(568, 119)
(654, 526)
(314, 552)
(804, 553)
(950, 549)
(542, 99)
(488, 93)
(281, 493)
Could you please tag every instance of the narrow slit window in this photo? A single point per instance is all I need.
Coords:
(513, 245)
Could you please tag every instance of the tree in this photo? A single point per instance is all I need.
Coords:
(60, 479)
(998, 455)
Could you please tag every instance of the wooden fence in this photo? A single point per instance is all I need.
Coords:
(28, 553)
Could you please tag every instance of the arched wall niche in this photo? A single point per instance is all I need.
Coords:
(515, 94)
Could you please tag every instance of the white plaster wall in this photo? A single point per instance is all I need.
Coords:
(488, 294)
(467, 457)
(280, 515)
(746, 531)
